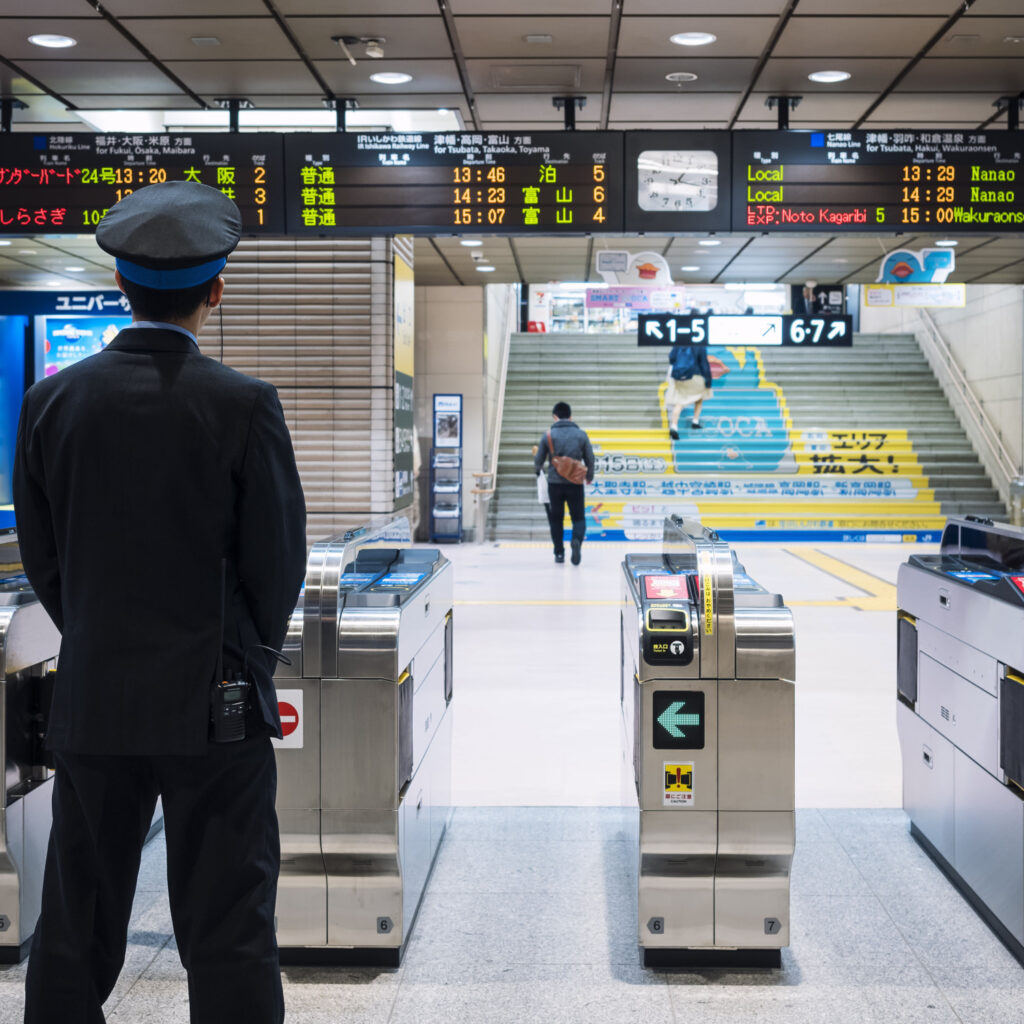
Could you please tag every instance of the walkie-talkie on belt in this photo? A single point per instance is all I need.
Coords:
(229, 698)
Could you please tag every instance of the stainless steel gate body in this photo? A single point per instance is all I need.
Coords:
(707, 702)
(28, 646)
(960, 714)
(365, 800)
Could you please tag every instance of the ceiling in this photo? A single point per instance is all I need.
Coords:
(914, 64)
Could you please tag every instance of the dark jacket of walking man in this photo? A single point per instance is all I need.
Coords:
(162, 525)
(565, 439)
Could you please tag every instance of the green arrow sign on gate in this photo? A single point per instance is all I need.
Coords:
(670, 719)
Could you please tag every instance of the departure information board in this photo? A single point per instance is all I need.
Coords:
(878, 181)
(540, 183)
(64, 184)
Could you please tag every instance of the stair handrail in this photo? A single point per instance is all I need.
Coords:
(486, 487)
(940, 356)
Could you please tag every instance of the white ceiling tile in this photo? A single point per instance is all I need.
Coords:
(576, 76)
(422, 38)
(240, 38)
(504, 37)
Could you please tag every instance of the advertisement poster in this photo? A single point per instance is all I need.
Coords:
(67, 340)
(447, 421)
(404, 342)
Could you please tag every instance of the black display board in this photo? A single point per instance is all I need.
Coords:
(878, 181)
(678, 181)
(64, 184)
(523, 183)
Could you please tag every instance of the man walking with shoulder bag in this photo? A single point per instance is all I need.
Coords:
(571, 462)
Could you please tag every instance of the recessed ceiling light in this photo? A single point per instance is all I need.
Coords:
(54, 42)
(1013, 39)
(4, 241)
(840, 259)
(471, 242)
(442, 111)
(486, 270)
(829, 76)
(947, 241)
(24, 252)
(681, 76)
(53, 284)
(539, 38)
(689, 270)
(709, 241)
(391, 78)
(75, 270)
(693, 38)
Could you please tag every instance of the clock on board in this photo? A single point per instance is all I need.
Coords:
(673, 181)
(677, 179)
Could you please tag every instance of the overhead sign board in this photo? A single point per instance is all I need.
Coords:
(521, 183)
(878, 181)
(64, 184)
(807, 331)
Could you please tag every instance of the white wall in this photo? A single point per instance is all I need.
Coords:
(986, 338)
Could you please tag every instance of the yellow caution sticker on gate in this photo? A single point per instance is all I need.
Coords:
(708, 594)
(678, 784)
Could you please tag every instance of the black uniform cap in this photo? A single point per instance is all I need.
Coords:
(171, 236)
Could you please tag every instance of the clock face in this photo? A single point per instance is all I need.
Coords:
(677, 180)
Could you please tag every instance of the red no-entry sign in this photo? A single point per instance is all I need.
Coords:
(289, 717)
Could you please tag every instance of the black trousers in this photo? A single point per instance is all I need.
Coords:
(560, 495)
(223, 857)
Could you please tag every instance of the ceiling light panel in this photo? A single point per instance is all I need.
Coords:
(652, 37)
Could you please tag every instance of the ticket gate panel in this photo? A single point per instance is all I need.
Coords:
(441, 783)
(707, 663)
(964, 713)
(755, 852)
(677, 878)
(963, 659)
(756, 745)
(928, 784)
(658, 699)
(961, 637)
(372, 633)
(302, 885)
(428, 703)
(360, 750)
(989, 824)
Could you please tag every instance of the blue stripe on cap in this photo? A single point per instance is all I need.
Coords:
(170, 280)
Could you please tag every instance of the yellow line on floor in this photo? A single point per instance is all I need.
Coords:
(879, 594)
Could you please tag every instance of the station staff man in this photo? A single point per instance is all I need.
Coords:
(162, 524)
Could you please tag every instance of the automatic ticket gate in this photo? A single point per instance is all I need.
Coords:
(29, 643)
(364, 770)
(708, 666)
(960, 714)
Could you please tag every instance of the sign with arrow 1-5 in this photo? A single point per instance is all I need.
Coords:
(825, 331)
(678, 719)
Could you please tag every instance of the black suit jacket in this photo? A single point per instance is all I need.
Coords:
(139, 473)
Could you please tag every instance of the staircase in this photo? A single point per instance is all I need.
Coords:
(795, 443)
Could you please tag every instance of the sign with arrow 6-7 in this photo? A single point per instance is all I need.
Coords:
(678, 720)
(825, 331)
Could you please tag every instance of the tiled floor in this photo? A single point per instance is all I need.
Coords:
(530, 917)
